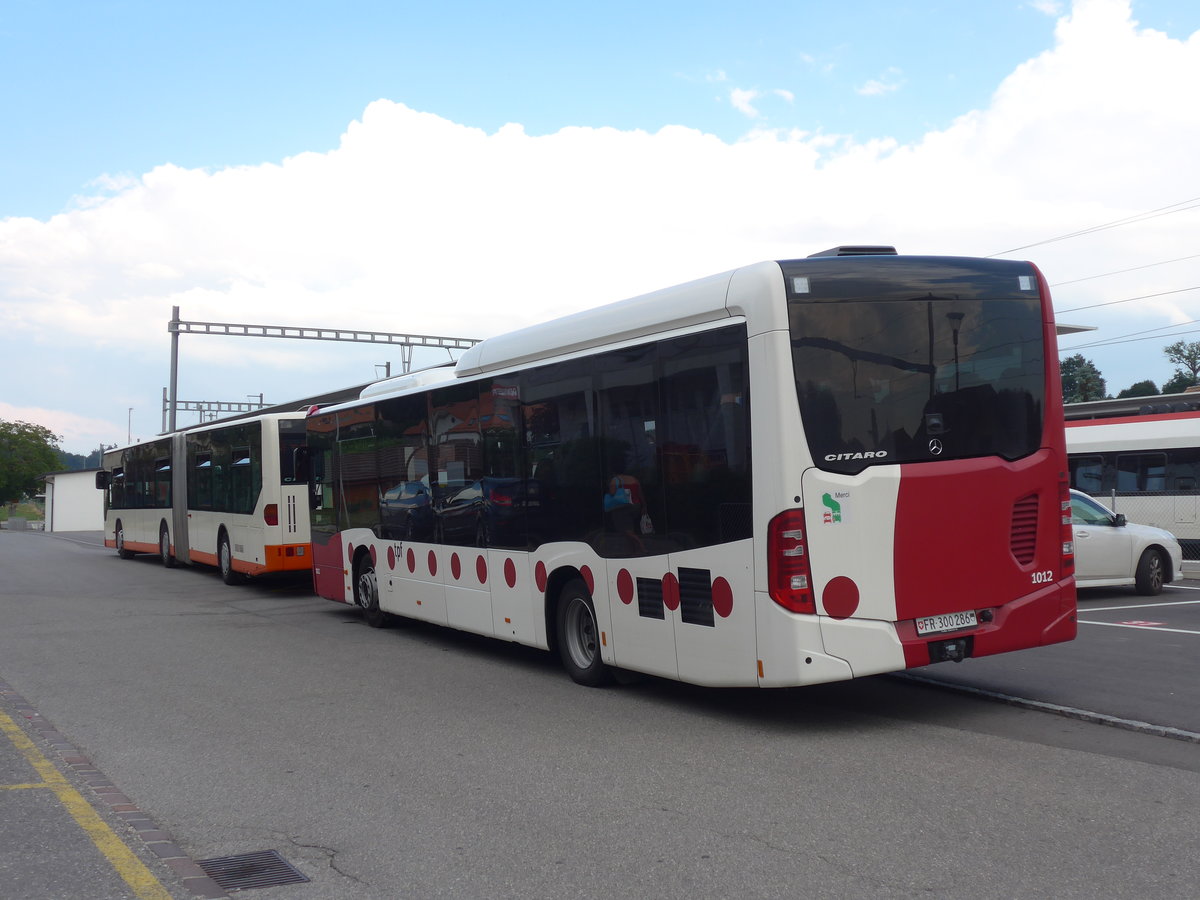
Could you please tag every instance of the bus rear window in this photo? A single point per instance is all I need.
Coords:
(916, 359)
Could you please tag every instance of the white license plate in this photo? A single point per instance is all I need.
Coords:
(946, 622)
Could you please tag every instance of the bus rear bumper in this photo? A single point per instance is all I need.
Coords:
(1047, 616)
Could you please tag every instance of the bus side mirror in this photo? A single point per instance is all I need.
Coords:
(102, 480)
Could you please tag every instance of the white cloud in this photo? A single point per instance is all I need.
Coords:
(75, 430)
(743, 102)
(786, 95)
(887, 83)
(1047, 7)
(417, 224)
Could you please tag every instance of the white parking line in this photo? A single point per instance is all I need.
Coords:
(1140, 627)
(1141, 605)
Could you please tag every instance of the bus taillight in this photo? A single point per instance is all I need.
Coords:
(271, 514)
(788, 574)
(1068, 535)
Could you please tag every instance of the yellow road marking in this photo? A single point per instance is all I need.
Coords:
(122, 859)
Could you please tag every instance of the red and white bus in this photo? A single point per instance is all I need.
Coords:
(795, 472)
(232, 494)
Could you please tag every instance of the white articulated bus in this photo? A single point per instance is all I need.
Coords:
(1142, 457)
(795, 472)
(232, 494)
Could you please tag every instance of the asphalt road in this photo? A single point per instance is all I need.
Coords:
(421, 762)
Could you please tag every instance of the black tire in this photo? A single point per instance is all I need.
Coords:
(120, 539)
(225, 561)
(366, 594)
(579, 636)
(164, 546)
(1151, 572)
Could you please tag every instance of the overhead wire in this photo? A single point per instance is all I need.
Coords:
(1123, 271)
(1128, 220)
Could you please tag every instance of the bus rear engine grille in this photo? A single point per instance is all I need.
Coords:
(1023, 537)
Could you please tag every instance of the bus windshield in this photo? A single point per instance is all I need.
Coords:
(916, 359)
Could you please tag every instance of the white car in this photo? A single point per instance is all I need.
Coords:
(1110, 551)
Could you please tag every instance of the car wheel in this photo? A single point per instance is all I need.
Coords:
(579, 636)
(1151, 573)
(366, 594)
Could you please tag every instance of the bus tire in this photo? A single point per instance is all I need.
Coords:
(366, 594)
(225, 561)
(164, 546)
(120, 541)
(579, 636)
(1151, 573)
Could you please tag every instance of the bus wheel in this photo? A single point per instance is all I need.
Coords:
(579, 637)
(1151, 572)
(225, 561)
(121, 551)
(366, 594)
(164, 547)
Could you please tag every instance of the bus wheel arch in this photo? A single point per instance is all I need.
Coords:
(366, 590)
(164, 545)
(577, 634)
(119, 540)
(225, 558)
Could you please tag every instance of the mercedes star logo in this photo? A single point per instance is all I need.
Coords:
(935, 447)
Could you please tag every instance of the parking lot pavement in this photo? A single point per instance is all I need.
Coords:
(62, 824)
(1135, 661)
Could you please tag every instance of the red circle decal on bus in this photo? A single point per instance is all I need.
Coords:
(455, 566)
(510, 573)
(588, 579)
(840, 597)
(671, 591)
(349, 551)
(411, 559)
(391, 558)
(722, 595)
(625, 586)
(432, 563)
(481, 569)
(374, 561)
(539, 576)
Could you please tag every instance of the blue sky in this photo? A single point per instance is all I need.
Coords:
(319, 163)
(120, 87)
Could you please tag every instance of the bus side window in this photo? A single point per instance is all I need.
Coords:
(1086, 473)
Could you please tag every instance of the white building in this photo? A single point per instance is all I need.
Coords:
(72, 501)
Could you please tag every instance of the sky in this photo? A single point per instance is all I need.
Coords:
(469, 169)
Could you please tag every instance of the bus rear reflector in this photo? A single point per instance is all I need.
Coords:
(788, 575)
(271, 514)
(1068, 535)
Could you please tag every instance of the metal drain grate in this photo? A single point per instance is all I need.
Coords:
(247, 871)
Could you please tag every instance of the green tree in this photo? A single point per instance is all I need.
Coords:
(26, 453)
(1081, 380)
(1139, 389)
(1185, 355)
(1179, 383)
